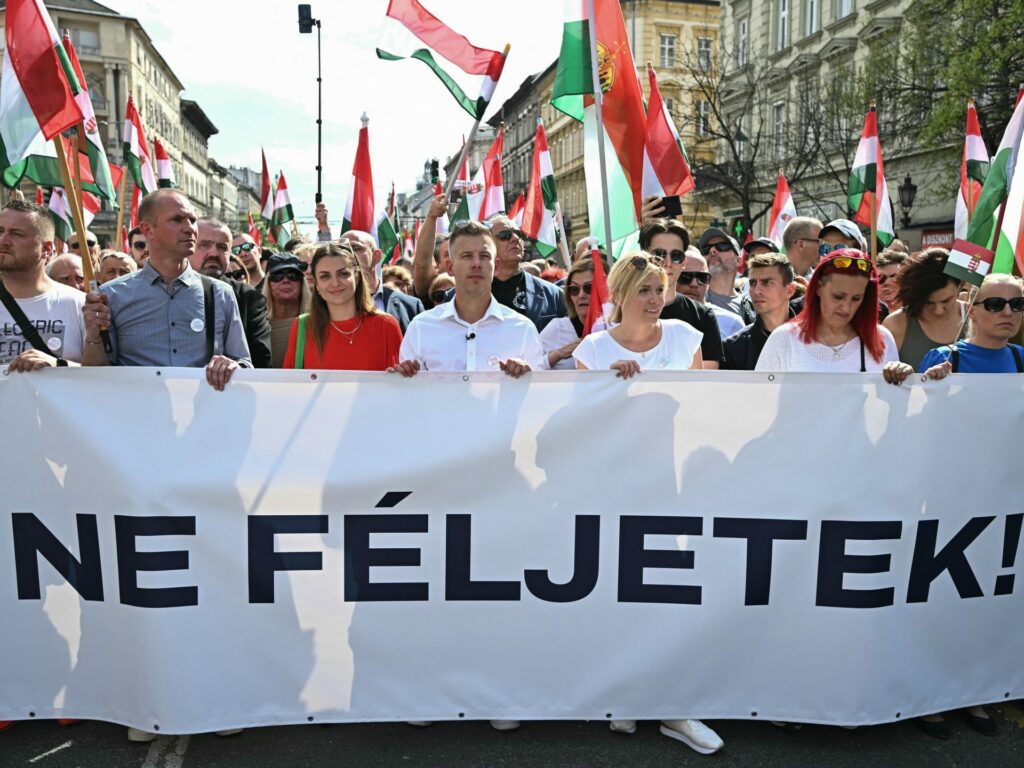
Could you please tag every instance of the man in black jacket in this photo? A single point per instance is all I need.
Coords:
(770, 281)
(211, 258)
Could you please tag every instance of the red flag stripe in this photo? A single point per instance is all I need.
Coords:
(362, 185)
(666, 157)
(445, 40)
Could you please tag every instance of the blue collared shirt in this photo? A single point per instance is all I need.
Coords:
(161, 325)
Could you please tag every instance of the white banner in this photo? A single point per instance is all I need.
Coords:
(816, 548)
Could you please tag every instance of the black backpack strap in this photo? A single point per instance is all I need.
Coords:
(1016, 358)
(28, 331)
(863, 368)
(954, 359)
(210, 317)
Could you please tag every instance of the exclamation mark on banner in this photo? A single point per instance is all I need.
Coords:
(1004, 583)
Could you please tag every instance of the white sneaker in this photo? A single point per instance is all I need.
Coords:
(139, 735)
(504, 725)
(230, 732)
(694, 734)
(623, 726)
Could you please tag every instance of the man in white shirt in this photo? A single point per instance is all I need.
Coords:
(473, 332)
(55, 310)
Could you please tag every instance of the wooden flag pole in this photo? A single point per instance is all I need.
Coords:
(874, 224)
(598, 98)
(120, 205)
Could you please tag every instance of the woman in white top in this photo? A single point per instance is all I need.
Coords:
(838, 330)
(639, 340)
(561, 336)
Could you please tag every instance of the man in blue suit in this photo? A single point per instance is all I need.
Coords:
(397, 304)
(538, 299)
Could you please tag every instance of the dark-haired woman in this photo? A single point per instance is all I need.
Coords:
(343, 330)
(932, 314)
(838, 329)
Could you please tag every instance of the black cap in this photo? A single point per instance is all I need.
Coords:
(284, 260)
(764, 242)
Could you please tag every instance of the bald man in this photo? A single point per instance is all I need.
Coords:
(397, 304)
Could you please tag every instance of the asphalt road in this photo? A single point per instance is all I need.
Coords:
(541, 744)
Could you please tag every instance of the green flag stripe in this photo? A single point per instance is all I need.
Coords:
(69, 70)
(548, 192)
(977, 170)
(992, 195)
(574, 76)
(472, 106)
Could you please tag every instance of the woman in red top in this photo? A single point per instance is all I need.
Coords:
(343, 330)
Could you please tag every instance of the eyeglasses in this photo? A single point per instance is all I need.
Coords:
(845, 262)
(996, 304)
(139, 245)
(75, 246)
(438, 297)
(687, 278)
(291, 275)
(720, 247)
(824, 249)
(574, 290)
(507, 234)
(238, 274)
(677, 256)
(237, 249)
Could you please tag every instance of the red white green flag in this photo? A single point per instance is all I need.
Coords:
(266, 192)
(973, 169)
(624, 119)
(541, 198)
(666, 169)
(254, 231)
(361, 213)
(600, 298)
(515, 213)
(409, 26)
(60, 211)
(136, 150)
(486, 195)
(164, 167)
(867, 186)
(282, 212)
(969, 262)
(38, 85)
(783, 210)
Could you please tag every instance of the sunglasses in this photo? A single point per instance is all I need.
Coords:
(574, 290)
(641, 262)
(677, 256)
(139, 245)
(686, 278)
(238, 274)
(237, 249)
(845, 262)
(996, 303)
(720, 247)
(824, 249)
(507, 234)
(291, 275)
(439, 297)
(76, 246)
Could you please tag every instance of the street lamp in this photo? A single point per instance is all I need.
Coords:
(908, 191)
(306, 24)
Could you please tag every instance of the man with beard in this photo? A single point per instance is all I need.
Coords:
(723, 256)
(211, 259)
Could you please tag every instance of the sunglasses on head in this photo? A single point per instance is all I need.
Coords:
(574, 290)
(506, 234)
(720, 247)
(438, 297)
(641, 262)
(996, 303)
(238, 274)
(677, 256)
(292, 275)
(846, 262)
(686, 278)
(237, 249)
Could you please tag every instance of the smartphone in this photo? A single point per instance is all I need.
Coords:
(672, 206)
(455, 197)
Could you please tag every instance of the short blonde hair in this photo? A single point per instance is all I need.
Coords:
(1002, 279)
(630, 272)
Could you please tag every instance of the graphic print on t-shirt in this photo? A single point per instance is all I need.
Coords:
(13, 343)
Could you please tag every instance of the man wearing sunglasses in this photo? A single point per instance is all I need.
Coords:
(137, 247)
(800, 240)
(693, 282)
(538, 299)
(840, 233)
(211, 259)
(668, 239)
(723, 255)
(90, 240)
(245, 248)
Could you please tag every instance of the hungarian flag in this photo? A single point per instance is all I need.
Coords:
(164, 168)
(133, 217)
(973, 169)
(1003, 184)
(541, 198)
(282, 212)
(38, 85)
(44, 168)
(515, 213)
(360, 211)
(60, 211)
(623, 113)
(666, 170)
(969, 262)
(90, 141)
(486, 195)
(266, 198)
(783, 210)
(254, 231)
(867, 183)
(409, 25)
(599, 297)
(136, 150)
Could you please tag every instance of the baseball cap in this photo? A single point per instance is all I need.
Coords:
(284, 260)
(713, 232)
(764, 242)
(847, 229)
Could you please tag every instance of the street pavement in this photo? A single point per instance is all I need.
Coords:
(544, 744)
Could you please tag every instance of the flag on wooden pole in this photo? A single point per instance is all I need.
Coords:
(360, 210)
(164, 168)
(136, 151)
(282, 213)
(538, 216)
(486, 195)
(666, 169)
(867, 193)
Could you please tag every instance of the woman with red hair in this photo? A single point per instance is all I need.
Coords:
(838, 329)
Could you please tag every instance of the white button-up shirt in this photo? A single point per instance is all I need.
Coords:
(442, 341)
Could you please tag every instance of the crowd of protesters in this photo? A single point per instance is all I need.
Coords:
(191, 293)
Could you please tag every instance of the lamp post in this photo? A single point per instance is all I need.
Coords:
(306, 24)
(908, 191)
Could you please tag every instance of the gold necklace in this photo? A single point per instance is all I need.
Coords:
(348, 334)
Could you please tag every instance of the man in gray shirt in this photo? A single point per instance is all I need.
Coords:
(159, 316)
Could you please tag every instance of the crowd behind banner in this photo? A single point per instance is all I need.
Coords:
(192, 293)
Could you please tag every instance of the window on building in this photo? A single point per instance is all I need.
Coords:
(779, 130)
(843, 8)
(703, 118)
(812, 16)
(668, 50)
(704, 54)
(742, 42)
(782, 24)
(742, 137)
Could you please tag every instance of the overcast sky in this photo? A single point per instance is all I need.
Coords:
(255, 77)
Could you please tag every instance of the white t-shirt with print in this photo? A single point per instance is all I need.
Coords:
(56, 314)
(679, 343)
